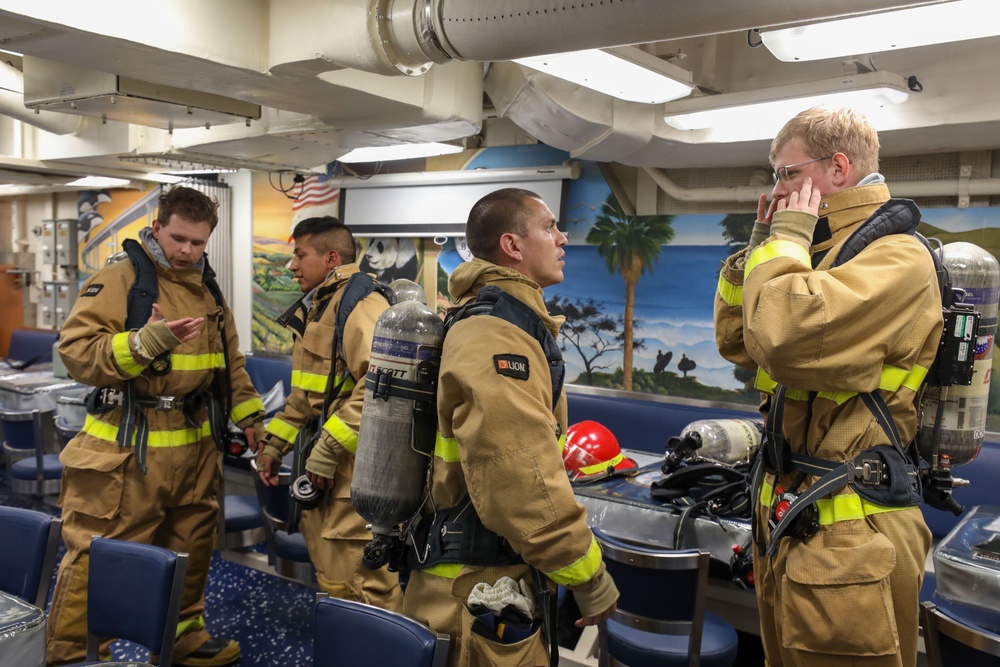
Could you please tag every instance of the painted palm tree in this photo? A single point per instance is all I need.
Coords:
(630, 246)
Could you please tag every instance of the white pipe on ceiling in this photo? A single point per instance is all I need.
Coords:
(750, 193)
(12, 104)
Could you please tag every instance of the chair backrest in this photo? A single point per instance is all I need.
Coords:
(661, 591)
(134, 593)
(950, 641)
(28, 557)
(350, 633)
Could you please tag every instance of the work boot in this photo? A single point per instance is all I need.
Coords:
(215, 652)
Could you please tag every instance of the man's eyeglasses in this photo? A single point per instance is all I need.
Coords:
(782, 173)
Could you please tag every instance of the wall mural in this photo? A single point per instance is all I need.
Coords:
(668, 293)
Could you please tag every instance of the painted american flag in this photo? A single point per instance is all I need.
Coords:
(315, 191)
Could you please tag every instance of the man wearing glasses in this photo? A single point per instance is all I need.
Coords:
(836, 305)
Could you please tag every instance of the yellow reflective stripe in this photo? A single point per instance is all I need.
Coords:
(892, 378)
(197, 362)
(582, 570)
(309, 381)
(732, 294)
(842, 507)
(123, 355)
(342, 433)
(849, 507)
(247, 408)
(763, 382)
(838, 397)
(193, 624)
(446, 449)
(185, 436)
(348, 385)
(562, 442)
(601, 467)
(447, 570)
(774, 250)
(282, 429)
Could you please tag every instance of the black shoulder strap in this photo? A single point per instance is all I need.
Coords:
(358, 287)
(492, 300)
(146, 288)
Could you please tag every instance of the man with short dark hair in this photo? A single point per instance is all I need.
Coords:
(323, 264)
(146, 467)
(497, 472)
(836, 305)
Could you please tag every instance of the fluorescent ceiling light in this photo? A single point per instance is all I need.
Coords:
(399, 152)
(760, 113)
(627, 73)
(885, 31)
(99, 182)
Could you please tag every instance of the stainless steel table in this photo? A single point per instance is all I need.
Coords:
(36, 390)
(624, 507)
(22, 633)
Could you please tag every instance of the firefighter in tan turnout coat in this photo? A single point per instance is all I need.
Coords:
(829, 335)
(335, 534)
(498, 451)
(160, 487)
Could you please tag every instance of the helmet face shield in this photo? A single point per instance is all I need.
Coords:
(592, 453)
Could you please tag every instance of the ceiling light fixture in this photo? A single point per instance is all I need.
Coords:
(399, 152)
(884, 31)
(755, 114)
(626, 72)
(99, 182)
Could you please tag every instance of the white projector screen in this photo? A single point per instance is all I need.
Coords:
(428, 210)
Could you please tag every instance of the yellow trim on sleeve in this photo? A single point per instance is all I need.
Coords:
(773, 250)
(342, 433)
(582, 570)
(123, 354)
(446, 449)
(732, 294)
(282, 429)
(247, 408)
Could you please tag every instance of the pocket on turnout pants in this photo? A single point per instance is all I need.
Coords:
(835, 594)
(481, 651)
(93, 481)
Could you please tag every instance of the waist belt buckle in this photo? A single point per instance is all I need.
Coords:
(110, 396)
(866, 470)
(168, 402)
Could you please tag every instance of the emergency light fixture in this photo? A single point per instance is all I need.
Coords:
(399, 152)
(884, 31)
(626, 72)
(758, 114)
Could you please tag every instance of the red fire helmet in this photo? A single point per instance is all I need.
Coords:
(592, 453)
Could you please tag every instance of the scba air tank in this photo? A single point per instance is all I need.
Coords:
(963, 418)
(396, 436)
(728, 441)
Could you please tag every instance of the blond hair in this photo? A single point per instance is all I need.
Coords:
(826, 131)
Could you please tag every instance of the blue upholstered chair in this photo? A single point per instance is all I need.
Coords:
(242, 521)
(28, 556)
(350, 633)
(33, 472)
(286, 552)
(952, 642)
(134, 593)
(661, 618)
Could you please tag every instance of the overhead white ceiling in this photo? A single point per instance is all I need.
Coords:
(327, 76)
